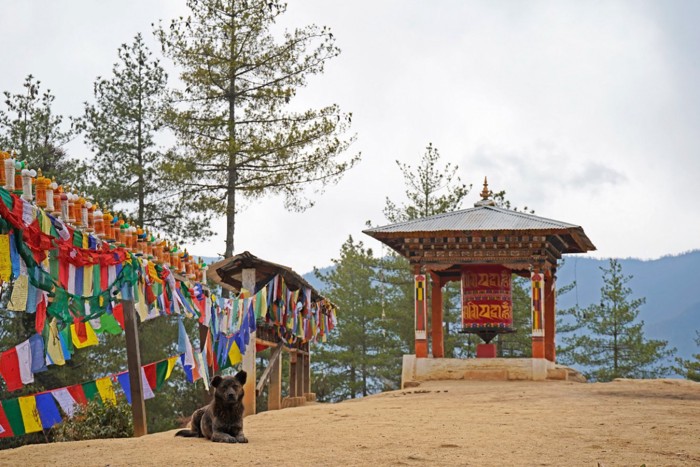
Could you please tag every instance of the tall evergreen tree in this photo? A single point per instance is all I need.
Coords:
(29, 127)
(431, 188)
(361, 356)
(608, 340)
(690, 368)
(239, 136)
(122, 128)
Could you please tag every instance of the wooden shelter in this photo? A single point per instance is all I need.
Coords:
(452, 246)
(247, 271)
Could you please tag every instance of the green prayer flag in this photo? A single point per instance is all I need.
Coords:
(110, 325)
(91, 392)
(161, 371)
(77, 238)
(67, 338)
(53, 264)
(14, 416)
(96, 275)
(6, 197)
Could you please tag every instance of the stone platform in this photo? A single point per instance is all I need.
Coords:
(416, 370)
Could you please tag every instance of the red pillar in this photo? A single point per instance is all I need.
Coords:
(421, 313)
(537, 306)
(436, 311)
(550, 294)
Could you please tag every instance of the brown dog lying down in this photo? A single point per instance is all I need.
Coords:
(222, 419)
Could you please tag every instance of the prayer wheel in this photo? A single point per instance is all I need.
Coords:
(3, 157)
(98, 222)
(487, 302)
(57, 191)
(27, 181)
(42, 188)
(19, 166)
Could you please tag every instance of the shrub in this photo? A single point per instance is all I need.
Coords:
(97, 420)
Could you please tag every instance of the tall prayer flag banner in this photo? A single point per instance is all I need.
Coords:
(537, 279)
(421, 308)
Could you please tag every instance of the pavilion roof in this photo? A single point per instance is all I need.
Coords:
(486, 220)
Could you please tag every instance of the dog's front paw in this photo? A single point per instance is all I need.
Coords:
(241, 439)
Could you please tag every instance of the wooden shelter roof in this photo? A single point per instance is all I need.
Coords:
(228, 273)
(484, 234)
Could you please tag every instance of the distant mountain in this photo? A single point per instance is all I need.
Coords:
(670, 284)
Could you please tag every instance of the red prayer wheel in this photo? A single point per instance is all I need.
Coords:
(487, 302)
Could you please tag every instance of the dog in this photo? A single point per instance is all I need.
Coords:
(222, 420)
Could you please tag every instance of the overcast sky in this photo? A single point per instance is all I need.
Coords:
(586, 111)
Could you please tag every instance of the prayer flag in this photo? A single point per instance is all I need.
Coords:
(234, 355)
(146, 387)
(30, 415)
(36, 344)
(123, 379)
(14, 416)
(9, 367)
(90, 390)
(24, 356)
(161, 372)
(78, 393)
(48, 412)
(90, 339)
(5, 428)
(149, 372)
(172, 361)
(65, 400)
(106, 390)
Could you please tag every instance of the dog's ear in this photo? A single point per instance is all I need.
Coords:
(216, 380)
(241, 376)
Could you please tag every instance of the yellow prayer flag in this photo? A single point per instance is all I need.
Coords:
(91, 337)
(172, 361)
(87, 280)
(141, 307)
(30, 414)
(5, 262)
(53, 345)
(18, 299)
(86, 243)
(106, 390)
(234, 355)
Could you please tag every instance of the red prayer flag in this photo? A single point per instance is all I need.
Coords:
(9, 367)
(78, 394)
(40, 319)
(151, 377)
(118, 312)
(5, 424)
(80, 331)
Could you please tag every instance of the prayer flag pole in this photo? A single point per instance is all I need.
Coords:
(133, 358)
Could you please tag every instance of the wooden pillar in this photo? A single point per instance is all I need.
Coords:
(436, 311)
(421, 313)
(133, 358)
(537, 306)
(249, 364)
(550, 295)
(300, 373)
(293, 373)
(274, 392)
(307, 369)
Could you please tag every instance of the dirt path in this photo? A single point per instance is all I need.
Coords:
(439, 423)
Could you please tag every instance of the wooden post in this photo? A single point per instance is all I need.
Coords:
(249, 364)
(550, 294)
(307, 370)
(274, 393)
(537, 302)
(421, 313)
(300, 373)
(133, 358)
(293, 373)
(436, 309)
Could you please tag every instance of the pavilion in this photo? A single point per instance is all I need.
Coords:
(484, 241)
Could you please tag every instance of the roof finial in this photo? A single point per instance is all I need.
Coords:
(485, 191)
(485, 196)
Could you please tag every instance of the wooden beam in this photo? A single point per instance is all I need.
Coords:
(293, 374)
(307, 369)
(274, 393)
(248, 364)
(133, 359)
(266, 374)
(436, 312)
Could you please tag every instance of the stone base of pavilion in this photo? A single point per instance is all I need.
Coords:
(416, 370)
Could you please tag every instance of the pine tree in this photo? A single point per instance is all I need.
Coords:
(690, 369)
(30, 128)
(608, 340)
(431, 188)
(122, 127)
(361, 356)
(240, 138)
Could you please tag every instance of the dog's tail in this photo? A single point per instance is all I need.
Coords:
(187, 434)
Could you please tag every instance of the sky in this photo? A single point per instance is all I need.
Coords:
(587, 112)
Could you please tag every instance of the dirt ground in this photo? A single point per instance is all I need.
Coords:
(626, 422)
